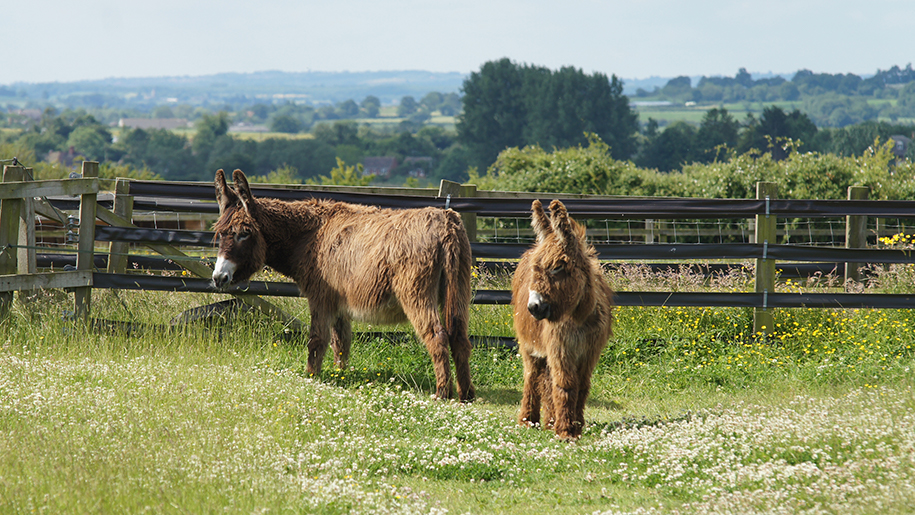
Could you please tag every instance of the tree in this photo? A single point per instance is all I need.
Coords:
(286, 123)
(169, 154)
(343, 132)
(451, 104)
(718, 129)
(327, 112)
(905, 104)
(509, 105)
(835, 110)
(431, 101)
(260, 111)
(494, 111)
(210, 127)
(343, 175)
(570, 105)
(310, 157)
(371, 106)
(438, 136)
(348, 109)
(774, 128)
(671, 149)
(678, 88)
(855, 140)
(232, 161)
(453, 165)
(92, 141)
(407, 106)
(744, 78)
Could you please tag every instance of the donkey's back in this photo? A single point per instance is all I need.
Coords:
(377, 260)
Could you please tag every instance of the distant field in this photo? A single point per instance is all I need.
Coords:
(261, 136)
(665, 115)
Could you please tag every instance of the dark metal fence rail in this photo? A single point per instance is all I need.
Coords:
(198, 197)
(606, 252)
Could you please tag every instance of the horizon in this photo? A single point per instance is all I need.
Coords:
(693, 77)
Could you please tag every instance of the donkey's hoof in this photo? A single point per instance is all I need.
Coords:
(468, 397)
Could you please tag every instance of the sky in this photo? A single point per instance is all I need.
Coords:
(64, 41)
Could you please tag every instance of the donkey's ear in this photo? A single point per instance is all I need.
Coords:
(539, 221)
(244, 191)
(224, 194)
(561, 223)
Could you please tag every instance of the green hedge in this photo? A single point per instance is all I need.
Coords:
(590, 170)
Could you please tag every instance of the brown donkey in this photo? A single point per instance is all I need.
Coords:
(561, 306)
(356, 262)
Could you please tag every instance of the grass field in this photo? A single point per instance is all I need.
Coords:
(690, 413)
(665, 115)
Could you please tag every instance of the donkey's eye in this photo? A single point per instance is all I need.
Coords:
(242, 235)
(558, 269)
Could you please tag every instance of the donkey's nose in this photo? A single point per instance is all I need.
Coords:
(221, 279)
(538, 306)
(222, 274)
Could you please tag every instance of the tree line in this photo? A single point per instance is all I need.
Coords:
(720, 135)
(177, 156)
(830, 100)
(504, 105)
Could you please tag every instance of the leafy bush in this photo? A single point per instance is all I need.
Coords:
(801, 175)
(588, 170)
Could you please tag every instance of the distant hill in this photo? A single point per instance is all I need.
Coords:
(235, 88)
(267, 86)
(831, 100)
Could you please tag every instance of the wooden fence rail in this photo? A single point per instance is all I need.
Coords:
(21, 200)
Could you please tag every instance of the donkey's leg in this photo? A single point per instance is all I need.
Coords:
(545, 387)
(460, 353)
(584, 388)
(425, 319)
(318, 339)
(342, 341)
(534, 370)
(565, 402)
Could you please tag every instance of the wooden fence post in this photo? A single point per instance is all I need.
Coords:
(456, 189)
(123, 206)
(855, 234)
(86, 246)
(28, 257)
(763, 321)
(10, 211)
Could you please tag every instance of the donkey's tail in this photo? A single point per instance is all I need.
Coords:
(456, 308)
(456, 279)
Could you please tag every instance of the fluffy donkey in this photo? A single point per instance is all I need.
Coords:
(356, 262)
(562, 317)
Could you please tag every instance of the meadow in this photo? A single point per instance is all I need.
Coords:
(690, 413)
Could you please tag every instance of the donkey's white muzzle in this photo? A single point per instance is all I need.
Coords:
(223, 273)
(538, 307)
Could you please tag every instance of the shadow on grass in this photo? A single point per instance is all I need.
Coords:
(636, 423)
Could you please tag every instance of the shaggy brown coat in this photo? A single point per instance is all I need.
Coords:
(562, 317)
(356, 262)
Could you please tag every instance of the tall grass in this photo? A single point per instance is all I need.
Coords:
(689, 413)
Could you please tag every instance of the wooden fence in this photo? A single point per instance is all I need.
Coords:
(117, 225)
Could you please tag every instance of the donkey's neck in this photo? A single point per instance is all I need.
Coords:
(285, 226)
